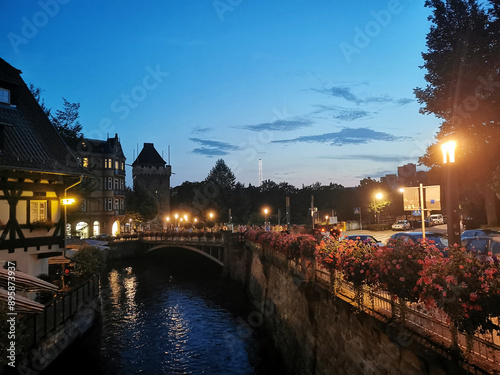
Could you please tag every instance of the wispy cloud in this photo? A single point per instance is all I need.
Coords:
(279, 125)
(342, 114)
(377, 158)
(346, 136)
(346, 93)
(199, 130)
(213, 148)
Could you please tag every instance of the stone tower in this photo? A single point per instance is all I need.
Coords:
(152, 173)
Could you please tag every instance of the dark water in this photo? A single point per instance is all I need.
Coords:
(163, 315)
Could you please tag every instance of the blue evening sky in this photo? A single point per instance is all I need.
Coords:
(320, 90)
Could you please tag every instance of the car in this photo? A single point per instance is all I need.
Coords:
(483, 244)
(363, 238)
(401, 225)
(436, 219)
(440, 240)
(472, 233)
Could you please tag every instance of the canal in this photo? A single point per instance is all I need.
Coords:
(171, 314)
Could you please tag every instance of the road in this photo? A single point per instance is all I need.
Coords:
(384, 235)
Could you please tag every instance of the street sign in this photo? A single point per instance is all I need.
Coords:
(416, 213)
(357, 211)
(433, 198)
(411, 198)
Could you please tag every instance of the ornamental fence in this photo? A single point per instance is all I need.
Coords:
(431, 324)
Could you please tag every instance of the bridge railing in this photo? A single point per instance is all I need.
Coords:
(174, 236)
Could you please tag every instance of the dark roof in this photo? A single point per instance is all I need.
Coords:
(111, 146)
(149, 157)
(30, 142)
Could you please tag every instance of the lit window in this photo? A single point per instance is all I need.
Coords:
(4, 95)
(38, 211)
(117, 164)
(123, 166)
(85, 162)
(108, 163)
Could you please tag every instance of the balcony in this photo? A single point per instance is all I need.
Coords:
(119, 172)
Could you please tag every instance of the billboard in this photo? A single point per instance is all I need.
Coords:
(411, 199)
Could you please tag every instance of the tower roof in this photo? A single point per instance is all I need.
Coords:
(149, 157)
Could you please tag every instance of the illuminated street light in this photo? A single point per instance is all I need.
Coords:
(265, 217)
(453, 220)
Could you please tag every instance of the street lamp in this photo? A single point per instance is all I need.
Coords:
(378, 197)
(265, 217)
(453, 220)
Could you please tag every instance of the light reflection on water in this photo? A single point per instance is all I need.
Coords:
(159, 319)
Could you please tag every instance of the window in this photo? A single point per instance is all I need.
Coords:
(110, 183)
(84, 205)
(110, 204)
(108, 163)
(117, 204)
(117, 164)
(122, 204)
(85, 162)
(116, 184)
(123, 166)
(4, 96)
(38, 211)
(122, 183)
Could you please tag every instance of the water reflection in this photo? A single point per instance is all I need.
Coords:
(159, 317)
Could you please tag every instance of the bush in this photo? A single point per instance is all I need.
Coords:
(89, 261)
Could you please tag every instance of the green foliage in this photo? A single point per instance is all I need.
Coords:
(89, 261)
(221, 175)
(66, 122)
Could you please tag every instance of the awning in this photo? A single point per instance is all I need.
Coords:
(25, 282)
(22, 304)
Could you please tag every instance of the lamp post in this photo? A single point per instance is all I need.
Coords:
(453, 220)
(265, 217)
(378, 197)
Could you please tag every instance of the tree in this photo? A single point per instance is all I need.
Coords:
(37, 94)
(66, 122)
(462, 75)
(221, 175)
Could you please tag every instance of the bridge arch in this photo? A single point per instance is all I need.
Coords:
(187, 247)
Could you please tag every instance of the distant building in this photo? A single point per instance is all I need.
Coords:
(152, 173)
(36, 167)
(102, 196)
(407, 176)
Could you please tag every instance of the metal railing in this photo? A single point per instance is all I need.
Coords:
(39, 325)
(431, 323)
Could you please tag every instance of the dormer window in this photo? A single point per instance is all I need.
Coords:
(4, 96)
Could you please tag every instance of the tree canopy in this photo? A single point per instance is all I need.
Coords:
(221, 175)
(463, 89)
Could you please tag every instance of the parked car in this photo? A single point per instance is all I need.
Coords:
(483, 244)
(401, 225)
(436, 219)
(363, 238)
(472, 233)
(440, 240)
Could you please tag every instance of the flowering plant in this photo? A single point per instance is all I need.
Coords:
(354, 260)
(464, 286)
(397, 266)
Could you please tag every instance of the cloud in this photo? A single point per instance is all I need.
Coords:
(342, 114)
(346, 93)
(202, 130)
(279, 125)
(377, 158)
(213, 148)
(346, 136)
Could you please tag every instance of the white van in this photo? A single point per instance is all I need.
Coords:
(436, 219)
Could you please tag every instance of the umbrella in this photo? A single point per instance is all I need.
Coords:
(22, 304)
(25, 282)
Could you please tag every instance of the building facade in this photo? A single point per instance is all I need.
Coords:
(101, 198)
(36, 169)
(151, 173)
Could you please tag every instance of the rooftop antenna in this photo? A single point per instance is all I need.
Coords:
(168, 157)
(260, 172)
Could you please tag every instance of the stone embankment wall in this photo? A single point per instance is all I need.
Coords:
(317, 334)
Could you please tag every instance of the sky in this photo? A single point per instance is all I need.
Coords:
(320, 91)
